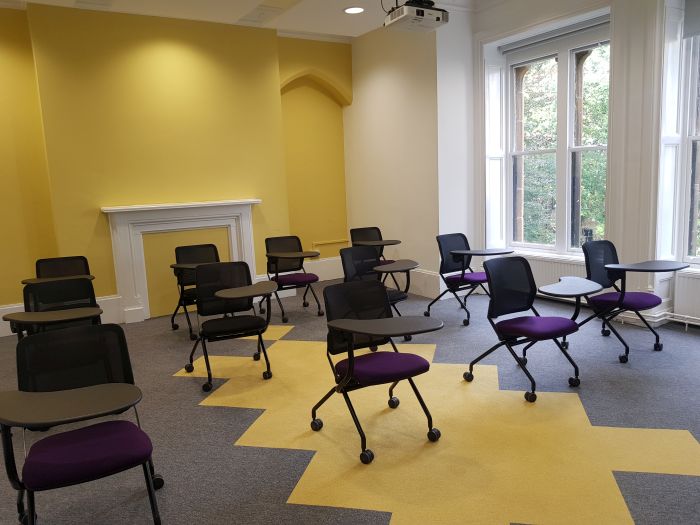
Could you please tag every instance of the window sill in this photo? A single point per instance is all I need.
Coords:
(553, 257)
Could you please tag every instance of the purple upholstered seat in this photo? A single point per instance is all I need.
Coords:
(85, 454)
(384, 367)
(469, 278)
(296, 279)
(537, 328)
(386, 261)
(632, 300)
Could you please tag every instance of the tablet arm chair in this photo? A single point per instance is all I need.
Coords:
(62, 266)
(456, 272)
(289, 274)
(192, 254)
(82, 356)
(358, 265)
(607, 306)
(211, 278)
(63, 294)
(366, 300)
(513, 290)
(372, 233)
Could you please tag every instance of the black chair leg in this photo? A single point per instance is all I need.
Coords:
(422, 403)
(623, 357)
(151, 494)
(363, 439)
(391, 390)
(323, 400)
(468, 376)
(306, 291)
(21, 511)
(463, 305)
(318, 304)
(267, 374)
(279, 302)
(529, 396)
(657, 344)
(260, 306)
(206, 386)
(189, 322)
(525, 349)
(427, 312)
(174, 325)
(484, 289)
(31, 509)
(158, 481)
(573, 381)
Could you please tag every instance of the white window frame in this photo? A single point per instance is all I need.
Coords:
(563, 48)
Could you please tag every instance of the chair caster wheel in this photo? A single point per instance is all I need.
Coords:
(393, 402)
(305, 304)
(465, 322)
(523, 361)
(158, 481)
(193, 337)
(574, 381)
(604, 332)
(320, 313)
(262, 310)
(316, 425)
(531, 397)
(367, 456)
(565, 345)
(434, 434)
(285, 319)
(426, 313)
(623, 358)
(408, 338)
(256, 356)
(373, 348)
(206, 387)
(189, 368)
(658, 347)
(468, 376)
(174, 326)
(267, 374)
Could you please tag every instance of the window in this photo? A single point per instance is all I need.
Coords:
(557, 119)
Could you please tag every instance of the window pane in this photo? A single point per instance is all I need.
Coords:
(592, 89)
(536, 105)
(588, 181)
(534, 198)
(694, 230)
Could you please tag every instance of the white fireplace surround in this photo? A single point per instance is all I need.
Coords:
(129, 223)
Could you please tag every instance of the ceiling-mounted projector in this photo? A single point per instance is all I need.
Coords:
(416, 15)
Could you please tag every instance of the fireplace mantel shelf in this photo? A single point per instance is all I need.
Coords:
(176, 205)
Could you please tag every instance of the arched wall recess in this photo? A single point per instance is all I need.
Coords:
(328, 85)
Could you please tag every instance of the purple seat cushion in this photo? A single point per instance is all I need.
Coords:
(537, 328)
(85, 454)
(469, 278)
(632, 301)
(386, 261)
(296, 279)
(377, 368)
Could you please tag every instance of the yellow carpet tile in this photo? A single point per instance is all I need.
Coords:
(500, 459)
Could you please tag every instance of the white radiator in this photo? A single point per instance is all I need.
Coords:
(687, 297)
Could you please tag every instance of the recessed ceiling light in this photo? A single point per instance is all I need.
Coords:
(354, 10)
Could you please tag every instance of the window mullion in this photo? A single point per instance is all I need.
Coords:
(562, 161)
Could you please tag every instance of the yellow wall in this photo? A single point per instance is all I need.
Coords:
(159, 252)
(25, 207)
(144, 110)
(316, 84)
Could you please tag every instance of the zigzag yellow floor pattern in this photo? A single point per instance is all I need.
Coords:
(500, 459)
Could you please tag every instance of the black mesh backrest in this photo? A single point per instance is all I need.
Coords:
(355, 300)
(62, 266)
(447, 243)
(370, 233)
(598, 254)
(213, 277)
(288, 243)
(511, 285)
(358, 263)
(59, 295)
(82, 356)
(193, 254)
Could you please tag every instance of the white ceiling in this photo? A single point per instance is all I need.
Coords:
(322, 18)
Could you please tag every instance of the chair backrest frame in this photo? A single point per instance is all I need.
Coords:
(62, 266)
(597, 255)
(286, 243)
(448, 242)
(358, 263)
(511, 286)
(367, 233)
(212, 277)
(194, 254)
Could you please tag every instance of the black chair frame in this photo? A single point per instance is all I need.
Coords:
(609, 280)
(203, 338)
(450, 264)
(343, 342)
(511, 342)
(27, 515)
(62, 266)
(372, 233)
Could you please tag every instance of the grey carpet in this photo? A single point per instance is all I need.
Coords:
(210, 480)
